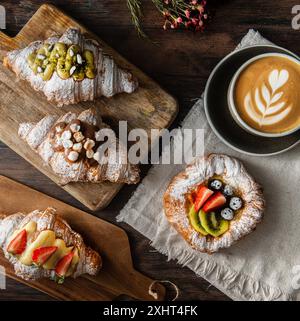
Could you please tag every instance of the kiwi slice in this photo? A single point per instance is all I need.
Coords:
(212, 225)
(213, 220)
(194, 219)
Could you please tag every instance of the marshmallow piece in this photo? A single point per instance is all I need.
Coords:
(90, 153)
(73, 156)
(77, 147)
(67, 143)
(59, 128)
(66, 135)
(75, 128)
(89, 144)
(78, 137)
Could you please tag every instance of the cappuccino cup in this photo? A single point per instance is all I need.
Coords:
(264, 95)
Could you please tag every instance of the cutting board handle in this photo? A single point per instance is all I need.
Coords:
(7, 43)
(140, 286)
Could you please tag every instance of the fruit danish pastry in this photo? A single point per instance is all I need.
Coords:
(214, 202)
(70, 146)
(42, 245)
(69, 69)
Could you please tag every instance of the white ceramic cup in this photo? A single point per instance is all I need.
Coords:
(231, 103)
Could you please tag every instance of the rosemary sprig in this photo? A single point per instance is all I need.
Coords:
(136, 13)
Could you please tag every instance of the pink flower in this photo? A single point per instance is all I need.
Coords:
(195, 21)
(193, 17)
(200, 9)
(187, 13)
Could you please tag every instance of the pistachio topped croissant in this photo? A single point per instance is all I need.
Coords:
(70, 69)
(42, 245)
(71, 146)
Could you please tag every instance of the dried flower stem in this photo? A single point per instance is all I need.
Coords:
(136, 13)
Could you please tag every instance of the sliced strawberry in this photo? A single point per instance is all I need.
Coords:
(18, 244)
(42, 254)
(203, 194)
(64, 264)
(214, 202)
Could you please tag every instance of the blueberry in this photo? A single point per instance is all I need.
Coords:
(215, 184)
(227, 213)
(235, 203)
(228, 190)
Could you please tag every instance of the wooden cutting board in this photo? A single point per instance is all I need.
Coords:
(149, 107)
(117, 276)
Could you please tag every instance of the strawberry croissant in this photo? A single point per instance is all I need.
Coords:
(41, 244)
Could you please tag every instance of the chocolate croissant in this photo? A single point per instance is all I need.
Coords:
(69, 69)
(70, 146)
(42, 245)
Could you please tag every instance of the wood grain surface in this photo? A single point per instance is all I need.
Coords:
(181, 63)
(148, 107)
(117, 277)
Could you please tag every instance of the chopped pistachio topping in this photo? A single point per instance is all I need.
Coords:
(67, 61)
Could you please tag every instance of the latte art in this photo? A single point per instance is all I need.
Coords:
(270, 109)
(267, 94)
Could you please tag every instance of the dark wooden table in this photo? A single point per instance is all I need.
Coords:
(181, 63)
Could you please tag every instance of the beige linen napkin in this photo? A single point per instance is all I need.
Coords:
(258, 267)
